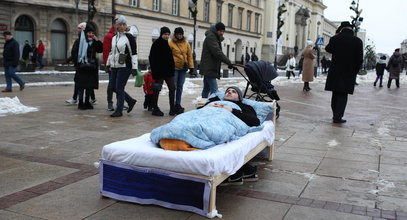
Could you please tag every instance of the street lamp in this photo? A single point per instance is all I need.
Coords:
(77, 10)
(318, 48)
(91, 10)
(280, 23)
(194, 11)
(357, 20)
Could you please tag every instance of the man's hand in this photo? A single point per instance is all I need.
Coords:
(217, 105)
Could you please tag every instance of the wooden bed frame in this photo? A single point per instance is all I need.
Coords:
(216, 180)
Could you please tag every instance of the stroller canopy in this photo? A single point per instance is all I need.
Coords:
(262, 69)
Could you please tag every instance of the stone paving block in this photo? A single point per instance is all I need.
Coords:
(358, 170)
(401, 214)
(304, 202)
(345, 208)
(7, 215)
(373, 212)
(332, 205)
(308, 213)
(317, 204)
(388, 214)
(359, 210)
(44, 187)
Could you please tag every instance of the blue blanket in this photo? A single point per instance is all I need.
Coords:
(205, 127)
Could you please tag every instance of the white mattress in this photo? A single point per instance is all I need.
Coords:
(224, 158)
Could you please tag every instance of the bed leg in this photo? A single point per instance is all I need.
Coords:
(271, 152)
(212, 200)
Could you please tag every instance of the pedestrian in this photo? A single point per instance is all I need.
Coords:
(26, 52)
(300, 64)
(123, 61)
(107, 46)
(33, 53)
(40, 53)
(394, 67)
(11, 56)
(347, 58)
(308, 66)
(162, 68)
(87, 66)
(211, 58)
(247, 57)
(290, 66)
(380, 67)
(148, 91)
(254, 57)
(182, 54)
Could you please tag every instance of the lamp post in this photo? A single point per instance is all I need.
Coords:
(91, 10)
(280, 23)
(357, 20)
(318, 48)
(77, 10)
(194, 11)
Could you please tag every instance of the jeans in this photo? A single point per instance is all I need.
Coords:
(109, 89)
(39, 60)
(118, 78)
(10, 73)
(179, 80)
(210, 86)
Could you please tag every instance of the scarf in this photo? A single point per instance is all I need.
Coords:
(83, 49)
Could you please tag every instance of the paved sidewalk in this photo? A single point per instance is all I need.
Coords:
(321, 170)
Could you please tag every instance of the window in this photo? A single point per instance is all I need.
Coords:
(134, 3)
(24, 30)
(257, 3)
(256, 23)
(219, 11)
(240, 18)
(156, 5)
(230, 15)
(206, 11)
(175, 7)
(249, 20)
(58, 40)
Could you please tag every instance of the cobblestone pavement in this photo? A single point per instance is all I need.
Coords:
(321, 170)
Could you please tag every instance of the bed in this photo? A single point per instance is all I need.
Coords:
(136, 170)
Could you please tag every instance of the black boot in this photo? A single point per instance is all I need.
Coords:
(87, 105)
(157, 112)
(116, 114)
(81, 106)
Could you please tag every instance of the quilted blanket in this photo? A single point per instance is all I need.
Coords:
(204, 128)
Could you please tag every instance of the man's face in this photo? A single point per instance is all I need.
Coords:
(7, 37)
(231, 95)
(121, 27)
(166, 36)
(220, 33)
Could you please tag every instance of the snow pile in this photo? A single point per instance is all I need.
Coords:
(13, 106)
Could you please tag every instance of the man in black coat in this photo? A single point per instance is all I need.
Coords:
(347, 58)
(11, 56)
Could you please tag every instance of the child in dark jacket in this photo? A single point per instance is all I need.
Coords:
(380, 66)
(148, 91)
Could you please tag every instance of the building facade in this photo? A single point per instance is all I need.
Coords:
(52, 21)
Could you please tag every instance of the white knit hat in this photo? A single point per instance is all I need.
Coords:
(121, 20)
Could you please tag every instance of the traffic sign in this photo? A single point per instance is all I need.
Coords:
(320, 41)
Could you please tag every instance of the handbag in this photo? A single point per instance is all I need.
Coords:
(89, 66)
(292, 67)
(139, 79)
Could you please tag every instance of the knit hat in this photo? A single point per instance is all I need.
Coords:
(164, 30)
(121, 20)
(89, 28)
(220, 26)
(310, 43)
(178, 30)
(239, 92)
(6, 33)
(82, 26)
(383, 57)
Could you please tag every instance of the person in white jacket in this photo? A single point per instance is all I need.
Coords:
(290, 65)
(122, 61)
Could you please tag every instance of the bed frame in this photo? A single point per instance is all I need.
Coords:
(140, 177)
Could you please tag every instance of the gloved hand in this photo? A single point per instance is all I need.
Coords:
(134, 72)
(230, 66)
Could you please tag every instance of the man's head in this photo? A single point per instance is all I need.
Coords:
(7, 35)
(220, 29)
(344, 25)
(165, 33)
(89, 30)
(233, 93)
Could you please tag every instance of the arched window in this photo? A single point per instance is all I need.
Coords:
(24, 30)
(58, 40)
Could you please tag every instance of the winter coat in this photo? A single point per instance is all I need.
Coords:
(40, 49)
(395, 65)
(380, 66)
(34, 54)
(87, 79)
(107, 44)
(26, 52)
(290, 64)
(182, 53)
(212, 54)
(123, 43)
(148, 82)
(161, 59)
(347, 58)
(11, 53)
(308, 65)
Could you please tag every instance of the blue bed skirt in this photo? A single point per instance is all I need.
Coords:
(154, 186)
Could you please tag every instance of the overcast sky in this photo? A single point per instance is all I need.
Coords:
(385, 22)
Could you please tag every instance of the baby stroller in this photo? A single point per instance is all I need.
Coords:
(259, 76)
